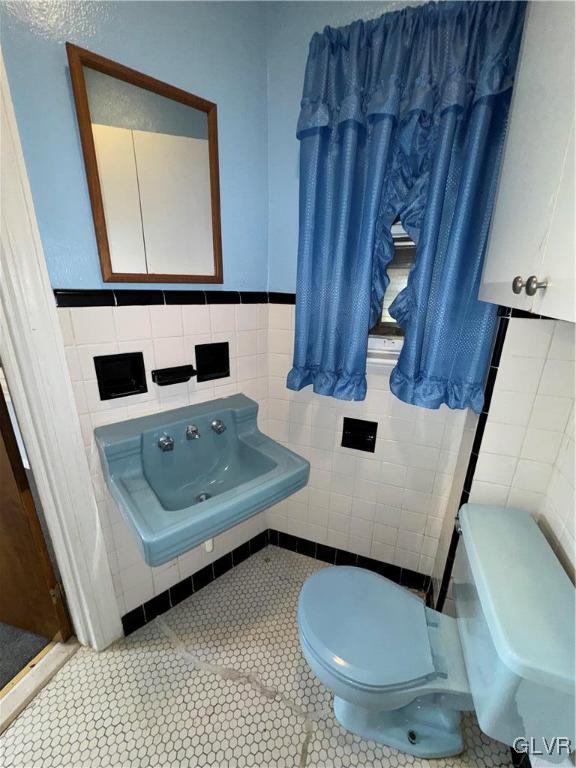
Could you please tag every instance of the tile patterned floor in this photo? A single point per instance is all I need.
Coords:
(142, 703)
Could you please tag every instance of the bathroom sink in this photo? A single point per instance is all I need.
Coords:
(182, 476)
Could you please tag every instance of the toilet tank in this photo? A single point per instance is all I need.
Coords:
(515, 609)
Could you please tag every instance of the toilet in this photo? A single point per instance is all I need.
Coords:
(402, 673)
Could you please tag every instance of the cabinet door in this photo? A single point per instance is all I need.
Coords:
(119, 186)
(174, 180)
(541, 122)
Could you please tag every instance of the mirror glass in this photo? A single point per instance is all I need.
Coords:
(152, 166)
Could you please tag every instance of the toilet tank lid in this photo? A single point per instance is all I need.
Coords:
(525, 594)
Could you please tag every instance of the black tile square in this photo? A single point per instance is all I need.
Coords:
(281, 298)
(222, 297)
(185, 297)
(359, 434)
(273, 537)
(413, 579)
(133, 620)
(130, 298)
(212, 361)
(253, 297)
(222, 565)
(370, 564)
(325, 553)
(120, 375)
(203, 577)
(84, 298)
(157, 605)
(287, 541)
(305, 547)
(258, 542)
(392, 572)
(241, 553)
(181, 591)
(345, 558)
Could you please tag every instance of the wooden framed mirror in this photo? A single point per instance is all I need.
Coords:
(151, 158)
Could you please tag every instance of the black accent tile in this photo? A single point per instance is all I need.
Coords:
(345, 558)
(413, 579)
(253, 297)
(306, 547)
(222, 565)
(447, 570)
(157, 605)
(482, 419)
(489, 388)
(464, 498)
(133, 620)
(212, 361)
(370, 564)
(241, 553)
(130, 298)
(181, 591)
(120, 375)
(185, 297)
(222, 297)
(520, 759)
(258, 542)
(81, 298)
(287, 541)
(499, 341)
(203, 577)
(392, 572)
(504, 311)
(273, 537)
(472, 461)
(325, 553)
(281, 298)
(523, 314)
(359, 434)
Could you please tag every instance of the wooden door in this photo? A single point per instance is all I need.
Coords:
(30, 595)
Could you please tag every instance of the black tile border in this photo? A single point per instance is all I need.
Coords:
(105, 297)
(175, 594)
(504, 314)
(520, 759)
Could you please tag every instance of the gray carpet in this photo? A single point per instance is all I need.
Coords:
(17, 647)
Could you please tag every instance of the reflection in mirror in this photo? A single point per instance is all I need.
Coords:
(156, 191)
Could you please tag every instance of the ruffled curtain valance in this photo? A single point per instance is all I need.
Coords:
(427, 58)
(402, 116)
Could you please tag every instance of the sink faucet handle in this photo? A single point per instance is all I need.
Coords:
(166, 443)
(218, 426)
(192, 432)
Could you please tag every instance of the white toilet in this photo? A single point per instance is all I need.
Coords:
(401, 673)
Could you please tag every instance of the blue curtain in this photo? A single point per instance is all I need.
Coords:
(402, 116)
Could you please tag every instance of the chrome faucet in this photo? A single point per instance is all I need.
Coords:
(192, 432)
(218, 426)
(166, 443)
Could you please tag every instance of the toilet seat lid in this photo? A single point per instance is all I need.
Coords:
(365, 628)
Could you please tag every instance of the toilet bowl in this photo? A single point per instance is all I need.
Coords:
(402, 673)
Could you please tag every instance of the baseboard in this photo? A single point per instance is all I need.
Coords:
(161, 603)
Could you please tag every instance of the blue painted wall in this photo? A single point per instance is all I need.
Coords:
(248, 57)
(290, 26)
(213, 49)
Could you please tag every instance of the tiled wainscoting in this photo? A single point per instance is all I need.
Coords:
(389, 505)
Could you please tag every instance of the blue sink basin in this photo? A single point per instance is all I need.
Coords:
(179, 479)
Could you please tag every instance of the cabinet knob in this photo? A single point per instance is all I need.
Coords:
(517, 284)
(533, 285)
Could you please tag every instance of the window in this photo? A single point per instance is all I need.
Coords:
(386, 337)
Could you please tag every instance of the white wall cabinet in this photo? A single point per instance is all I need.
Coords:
(157, 204)
(532, 230)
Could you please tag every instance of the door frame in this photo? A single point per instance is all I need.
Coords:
(32, 353)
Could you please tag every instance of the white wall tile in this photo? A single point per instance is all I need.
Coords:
(93, 325)
(196, 319)
(557, 379)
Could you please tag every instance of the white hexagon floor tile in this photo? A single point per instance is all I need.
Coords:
(143, 703)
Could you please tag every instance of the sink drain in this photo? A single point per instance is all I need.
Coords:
(202, 497)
